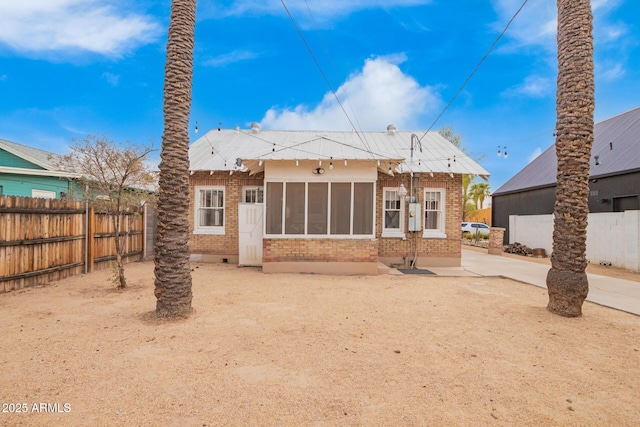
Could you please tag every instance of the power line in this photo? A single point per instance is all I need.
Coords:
(474, 70)
(324, 76)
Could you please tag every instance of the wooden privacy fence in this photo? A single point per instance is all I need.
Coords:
(42, 240)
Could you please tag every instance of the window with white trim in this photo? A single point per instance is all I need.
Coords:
(434, 212)
(253, 195)
(392, 213)
(209, 210)
(320, 208)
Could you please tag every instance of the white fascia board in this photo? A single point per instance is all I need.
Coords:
(38, 172)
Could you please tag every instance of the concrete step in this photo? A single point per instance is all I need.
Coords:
(383, 269)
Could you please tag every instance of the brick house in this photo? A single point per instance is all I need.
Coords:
(326, 201)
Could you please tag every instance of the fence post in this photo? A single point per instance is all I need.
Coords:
(496, 237)
(90, 239)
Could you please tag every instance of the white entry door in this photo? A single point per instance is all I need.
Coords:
(250, 233)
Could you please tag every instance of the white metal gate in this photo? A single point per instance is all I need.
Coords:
(250, 233)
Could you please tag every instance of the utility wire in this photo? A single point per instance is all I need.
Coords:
(475, 69)
(324, 76)
(331, 63)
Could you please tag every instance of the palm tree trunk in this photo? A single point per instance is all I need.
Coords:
(567, 281)
(173, 275)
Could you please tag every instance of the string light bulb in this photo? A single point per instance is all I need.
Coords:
(330, 165)
(196, 129)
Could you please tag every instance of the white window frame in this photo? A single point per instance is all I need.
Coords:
(257, 189)
(438, 233)
(43, 194)
(393, 232)
(320, 236)
(200, 229)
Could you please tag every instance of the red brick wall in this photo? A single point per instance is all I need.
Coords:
(329, 250)
(449, 247)
(215, 244)
(324, 250)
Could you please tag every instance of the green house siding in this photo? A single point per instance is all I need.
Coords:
(21, 185)
(10, 160)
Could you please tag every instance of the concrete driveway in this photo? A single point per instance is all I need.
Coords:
(607, 291)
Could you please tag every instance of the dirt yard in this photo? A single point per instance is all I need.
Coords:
(315, 351)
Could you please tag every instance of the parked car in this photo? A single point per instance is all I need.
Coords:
(475, 227)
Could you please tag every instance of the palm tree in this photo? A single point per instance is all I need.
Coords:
(173, 275)
(479, 192)
(567, 281)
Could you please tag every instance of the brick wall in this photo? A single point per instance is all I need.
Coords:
(233, 184)
(449, 247)
(332, 250)
(323, 250)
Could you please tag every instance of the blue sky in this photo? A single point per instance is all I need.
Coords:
(69, 68)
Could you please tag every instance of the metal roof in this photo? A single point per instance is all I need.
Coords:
(616, 143)
(218, 150)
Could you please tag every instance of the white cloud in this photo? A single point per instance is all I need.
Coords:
(45, 27)
(320, 11)
(536, 25)
(534, 155)
(533, 86)
(111, 78)
(378, 95)
(610, 72)
(231, 58)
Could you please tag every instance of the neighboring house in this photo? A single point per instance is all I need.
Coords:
(30, 172)
(326, 201)
(614, 184)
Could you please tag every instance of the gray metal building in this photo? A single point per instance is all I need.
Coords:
(614, 184)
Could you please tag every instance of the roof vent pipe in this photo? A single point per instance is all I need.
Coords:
(255, 127)
(391, 129)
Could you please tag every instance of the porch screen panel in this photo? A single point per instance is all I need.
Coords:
(294, 208)
(341, 208)
(318, 208)
(363, 208)
(274, 207)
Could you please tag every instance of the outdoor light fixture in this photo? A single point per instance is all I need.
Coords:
(239, 162)
(345, 162)
(402, 191)
(297, 162)
(318, 171)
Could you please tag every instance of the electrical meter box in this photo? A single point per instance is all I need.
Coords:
(414, 217)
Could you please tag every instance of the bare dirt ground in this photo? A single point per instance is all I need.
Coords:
(313, 350)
